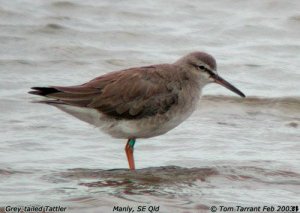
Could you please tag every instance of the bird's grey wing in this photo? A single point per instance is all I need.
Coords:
(128, 94)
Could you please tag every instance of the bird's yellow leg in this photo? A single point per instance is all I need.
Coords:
(129, 153)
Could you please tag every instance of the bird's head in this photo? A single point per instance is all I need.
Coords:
(203, 68)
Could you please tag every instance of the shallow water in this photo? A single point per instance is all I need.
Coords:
(232, 151)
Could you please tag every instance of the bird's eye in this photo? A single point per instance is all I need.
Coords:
(202, 67)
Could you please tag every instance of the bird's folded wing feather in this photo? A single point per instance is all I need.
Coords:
(129, 94)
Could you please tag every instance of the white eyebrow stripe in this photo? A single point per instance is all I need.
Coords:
(208, 70)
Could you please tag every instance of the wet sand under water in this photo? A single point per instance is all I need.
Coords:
(172, 188)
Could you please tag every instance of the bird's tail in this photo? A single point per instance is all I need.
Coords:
(43, 91)
(75, 95)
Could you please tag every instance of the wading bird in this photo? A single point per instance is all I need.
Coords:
(139, 102)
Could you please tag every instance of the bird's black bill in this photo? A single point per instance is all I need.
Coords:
(229, 86)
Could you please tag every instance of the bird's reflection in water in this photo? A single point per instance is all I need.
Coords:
(154, 180)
